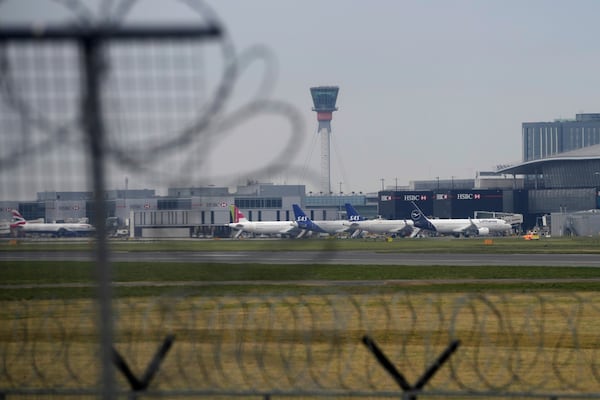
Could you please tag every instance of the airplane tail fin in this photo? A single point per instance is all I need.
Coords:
(303, 221)
(17, 215)
(301, 218)
(420, 220)
(353, 215)
(18, 219)
(236, 214)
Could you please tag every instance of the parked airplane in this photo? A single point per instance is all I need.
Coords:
(459, 226)
(4, 228)
(378, 226)
(38, 227)
(241, 225)
(331, 227)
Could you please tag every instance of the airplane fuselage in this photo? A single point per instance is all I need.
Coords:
(56, 229)
(264, 227)
(481, 226)
(383, 226)
(333, 227)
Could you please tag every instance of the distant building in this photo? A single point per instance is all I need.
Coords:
(546, 139)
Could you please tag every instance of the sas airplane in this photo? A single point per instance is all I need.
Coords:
(36, 227)
(379, 226)
(460, 226)
(241, 224)
(331, 227)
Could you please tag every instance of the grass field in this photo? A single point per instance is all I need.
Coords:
(294, 277)
(274, 327)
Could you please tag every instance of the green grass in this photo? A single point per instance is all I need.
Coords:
(44, 272)
(282, 278)
(261, 278)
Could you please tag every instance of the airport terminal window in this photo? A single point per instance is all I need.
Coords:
(258, 202)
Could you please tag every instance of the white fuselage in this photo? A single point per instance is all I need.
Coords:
(264, 227)
(4, 228)
(333, 227)
(57, 229)
(383, 226)
(462, 226)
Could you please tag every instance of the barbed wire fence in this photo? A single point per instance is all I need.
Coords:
(83, 103)
(312, 345)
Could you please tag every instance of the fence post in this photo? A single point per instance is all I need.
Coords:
(142, 384)
(409, 391)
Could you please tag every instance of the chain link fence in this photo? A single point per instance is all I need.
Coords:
(85, 104)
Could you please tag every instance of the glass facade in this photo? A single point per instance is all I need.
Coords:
(324, 97)
(545, 139)
(258, 202)
(571, 174)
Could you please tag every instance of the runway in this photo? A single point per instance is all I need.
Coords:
(320, 257)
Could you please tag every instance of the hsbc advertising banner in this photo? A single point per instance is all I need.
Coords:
(463, 203)
(459, 203)
(466, 202)
(398, 204)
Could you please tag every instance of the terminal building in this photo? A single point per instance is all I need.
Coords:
(556, 185)
(189, 211)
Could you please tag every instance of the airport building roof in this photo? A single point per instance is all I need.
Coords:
(534, 166)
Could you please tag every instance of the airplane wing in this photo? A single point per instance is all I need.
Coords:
(467, 229)
(462, 229)
(290, 226)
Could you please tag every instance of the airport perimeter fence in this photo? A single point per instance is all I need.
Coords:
(373, 345)
(87, 103)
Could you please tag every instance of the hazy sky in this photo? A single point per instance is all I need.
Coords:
(427, 88)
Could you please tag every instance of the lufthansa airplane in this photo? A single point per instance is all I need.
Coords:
(241, 224)
(459, 226)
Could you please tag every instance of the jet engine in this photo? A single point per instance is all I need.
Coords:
(483, 231)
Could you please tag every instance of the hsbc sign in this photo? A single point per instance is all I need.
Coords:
(414, 197)
(468, 196)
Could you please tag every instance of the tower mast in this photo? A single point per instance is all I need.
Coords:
(324, 99)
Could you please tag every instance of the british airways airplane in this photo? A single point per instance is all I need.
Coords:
(23, 227)
(459, 226)
(241, 225)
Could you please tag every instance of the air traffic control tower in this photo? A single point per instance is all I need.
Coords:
(324, 98)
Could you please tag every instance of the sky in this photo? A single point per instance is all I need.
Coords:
(427, 88)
